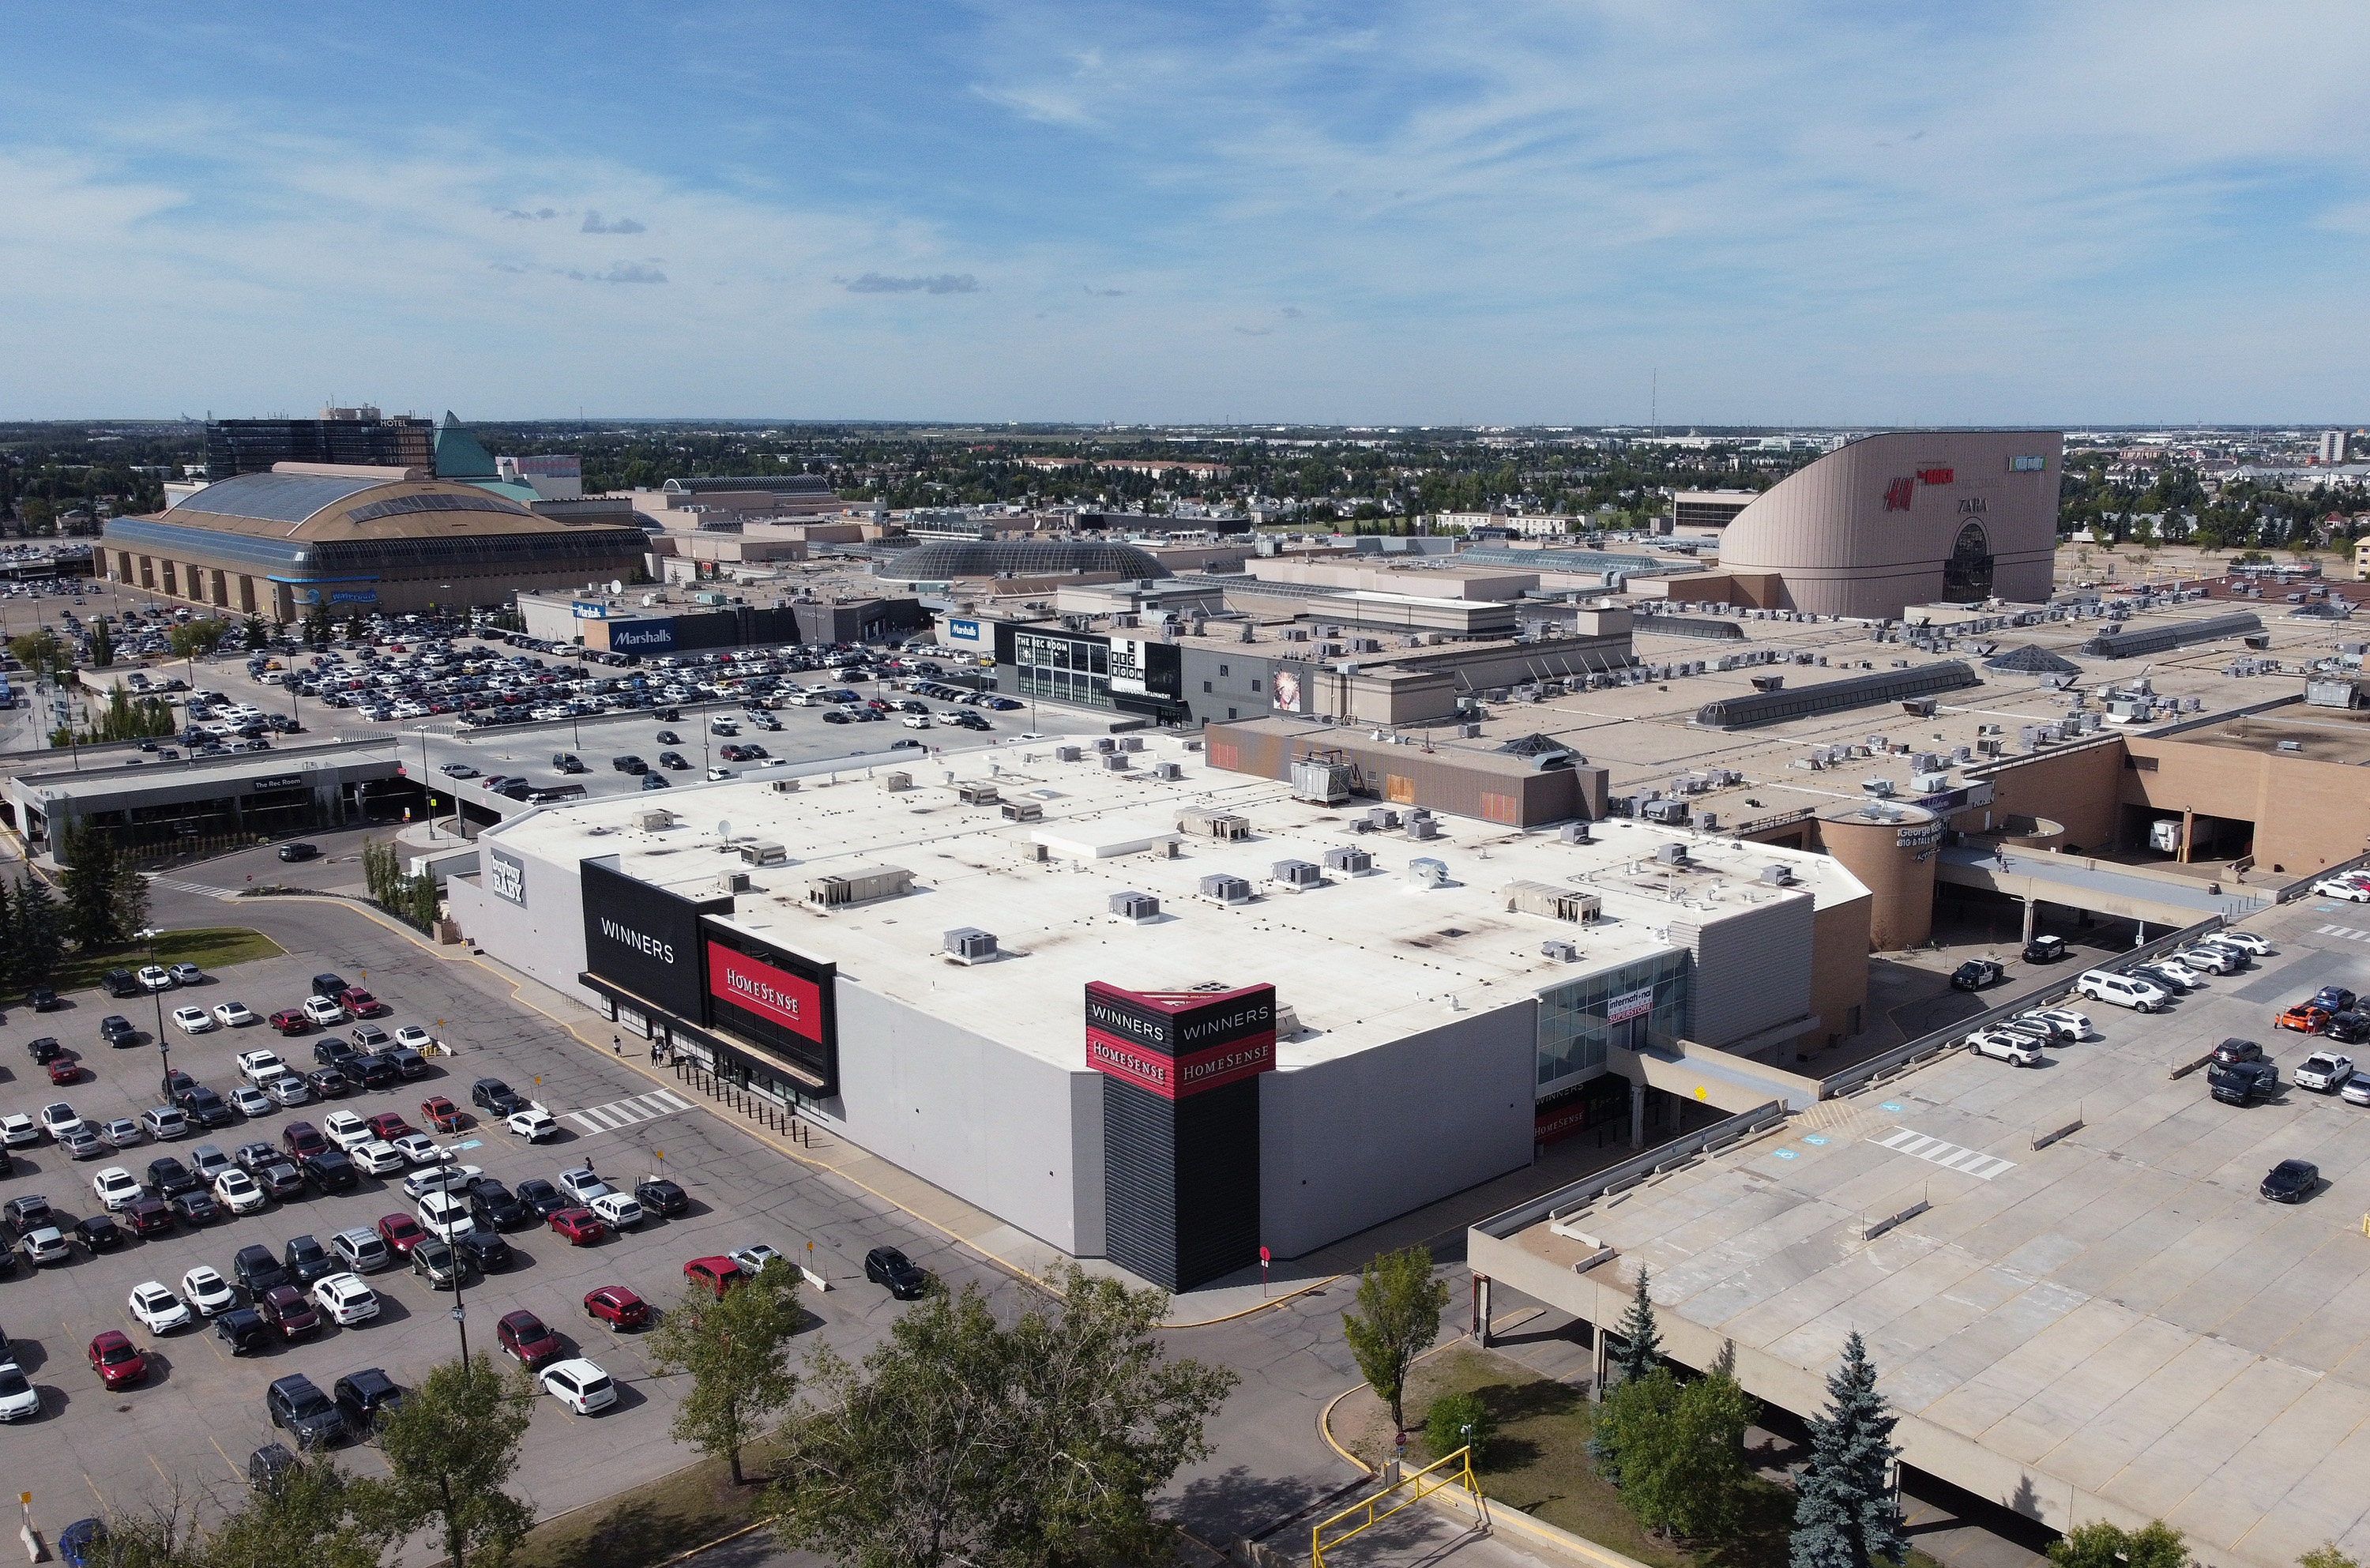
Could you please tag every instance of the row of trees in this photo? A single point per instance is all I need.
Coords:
(962, 1438)
(399, 893)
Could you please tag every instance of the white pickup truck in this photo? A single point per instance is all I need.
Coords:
(261, 1068)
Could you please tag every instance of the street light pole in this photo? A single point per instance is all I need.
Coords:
(421, 730)
(163, 1048)
(460, 1267)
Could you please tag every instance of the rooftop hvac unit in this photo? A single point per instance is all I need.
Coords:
(1323, 783)
(764, 853)
(1424, 871)
(2029, 736)
(1777, 876)
(1106, 744)
(1924, 762)
(1665, 812)
(1469, 731)
(978, 794)
(1769, 683)
(1575, 833)
(1929, 783)
(1137, 908)
(1382, 819)
(786, 786)
(1222, 888)
(1879, 788)
(968, 944)
(2291, 745)
(861, 886)
(1552, 902)
(1130, 742)
(1066, 754)
(1563, 953)
(1352, 862)
(1023, 811)
(1169, 770)
(656, 822)
(1422, 827)
(734, 882)
(1203, 823)
(895, 782)
(1115, 761)
(1705, 822)
(1671, 855)
(1297, 875)
(1990, 746)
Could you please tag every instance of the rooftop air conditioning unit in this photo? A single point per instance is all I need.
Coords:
(1671, 855)
(656, 822)
(1224, 826)
(1130, 742)
(735, 882)
(1221, 888)
(763, 853)
(1352, 862)
(1777, 876)
(1422, 827)
(1879, 788)
(968, 944)
(1115, 761)
(1023, 811)
(1137, 908)
(1297, 875)
(1563, 953)
(977, 794)
(1106, 744)
(1168, 770)
(786, 786)
(859, 886)
(895, 782)
(1575, 833)
(1705, 822)
(1322, 783)
(1066, 754)
(1929, 783)
(1382, 819)
(1424, 871)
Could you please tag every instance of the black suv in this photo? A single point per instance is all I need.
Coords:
(169, 1177)
(904, 1278)
(45, 1050)
(1975, 974)
(2236, 1050)
(309, 1416)
(365, 1398)
(660, 1197)
(117, 1031)
(308, 1260)
(331, 1170)
(567, 762)
(2243, 1083)
(119, 982)
(257, 1270)
(203, 1106)
(42, 999)
(629, 764)
(376, 1071)
(496, 1207)
(492, 1094)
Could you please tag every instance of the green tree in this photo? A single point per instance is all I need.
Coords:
(449, 1448)
(195, 638)
(737, 1349)
(255, 633)
(304, 1517)
(1845, 1514)
(1641, 1338)
(1459, 1421)
(102, 645)
(2326, 1555)
(2102, 1545)
(959, 1440)
(42, 653)
(35, 933)
(93, 873)
(1396, 1318)
(1678, 1451)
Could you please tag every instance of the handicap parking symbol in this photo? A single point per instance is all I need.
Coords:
(1783, 1154)
(1814, 1139)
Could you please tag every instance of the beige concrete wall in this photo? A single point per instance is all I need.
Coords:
(1900, 884)
(1839, 950)
(2078, 787)
(2307, 813)
(1437, 582)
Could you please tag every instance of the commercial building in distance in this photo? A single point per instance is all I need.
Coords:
(1146, 1009)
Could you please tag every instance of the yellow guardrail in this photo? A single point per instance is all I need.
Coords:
(1458, 1466)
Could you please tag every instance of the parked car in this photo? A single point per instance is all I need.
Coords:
(116, 1359)
(716, 1273)
(2324, 1071)
(580, 1385)
(2012, 1046)
(661, 1196)
(2291, 1182)
(2304, 1018)
(905, 1279)
(581, 1225)
(2124, 991)
(2243, 1082)
(304, 1411)
(522, 1336)
(617, 1306)
(365, 1398)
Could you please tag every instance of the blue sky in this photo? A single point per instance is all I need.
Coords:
(1374, 212)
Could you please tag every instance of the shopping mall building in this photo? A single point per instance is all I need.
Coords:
(1146, 1009)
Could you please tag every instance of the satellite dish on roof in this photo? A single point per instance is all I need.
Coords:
(724, 831)
(616, 585)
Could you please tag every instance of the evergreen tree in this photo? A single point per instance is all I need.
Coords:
(11, 968)
(92, 870)
(1845, 1516)
(35, 933)
(1641, 1340)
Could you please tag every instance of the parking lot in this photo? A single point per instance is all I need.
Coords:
(198, 1412)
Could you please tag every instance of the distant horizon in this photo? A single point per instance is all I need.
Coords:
(1528, 214)
(765, 422)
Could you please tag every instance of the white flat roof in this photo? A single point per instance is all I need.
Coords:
(1363, 960)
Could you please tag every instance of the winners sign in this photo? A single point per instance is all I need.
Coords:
(1177, 1043)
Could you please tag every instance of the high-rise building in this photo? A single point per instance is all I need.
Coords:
(359, 435)
(2332, 446)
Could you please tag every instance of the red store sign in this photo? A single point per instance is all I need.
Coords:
(760, 988)
(1937, 476)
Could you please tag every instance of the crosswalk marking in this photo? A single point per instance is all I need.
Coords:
(2346, 933)
(179, 886)
(626, 1112)
(1949, 1155)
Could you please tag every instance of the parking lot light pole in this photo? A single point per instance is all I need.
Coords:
(163, 1048)
(460, 1266)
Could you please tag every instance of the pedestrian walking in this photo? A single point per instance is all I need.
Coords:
(616, 1046)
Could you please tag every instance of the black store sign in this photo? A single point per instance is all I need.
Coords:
(644, 941)
(1181, 1127)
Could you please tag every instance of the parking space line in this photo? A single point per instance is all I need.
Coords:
(226, 1457)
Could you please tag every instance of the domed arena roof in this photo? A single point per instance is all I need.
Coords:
(945, 559)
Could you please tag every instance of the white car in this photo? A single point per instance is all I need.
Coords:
(159, 1311)
(752, 1260)
(190, 973)
(2176, 972)
(379, 1157)
(345, 1299)
(2324, 1070)
(618, 1211)
(250, 1100)
(2352, 892)
(419, 1148)
(2246, 940)
(236, 1191)
(59, 1117)
(155, 977)
(44, 1244)
(208, 1291)
(915, 720)
(446, 1214)
(2124, 990)
(583, 1185)
(437, 1177)
(2210, 959)
(346, 1130)
(16, 1130)
(233, 1015)
(412, 1037)
(580, 1385)
(260, 1067)
(117, 1189)
(19, 1399)
(2041, 1024)
(288, 1089)
(534, 1124)
(2357, 1090)
(324, 1011)
(2018, 1050)
(192, 1020)
(2075, 1025)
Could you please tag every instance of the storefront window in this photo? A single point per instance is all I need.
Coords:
(1576, 1025)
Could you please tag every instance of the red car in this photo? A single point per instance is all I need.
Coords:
(389, 1125)
(522, 1336)
(64, 1069)
(401, 1233)
(148, 1217)
(291, 1020)
(285, 1309)
(303, 1138)
(617, 1306)
(441, 1113)
(581, 1225)
(117, 1360)
(720, 1275)
(360, 1003)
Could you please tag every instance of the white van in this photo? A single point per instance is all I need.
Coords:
(446, 1214)
(2124, 990)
